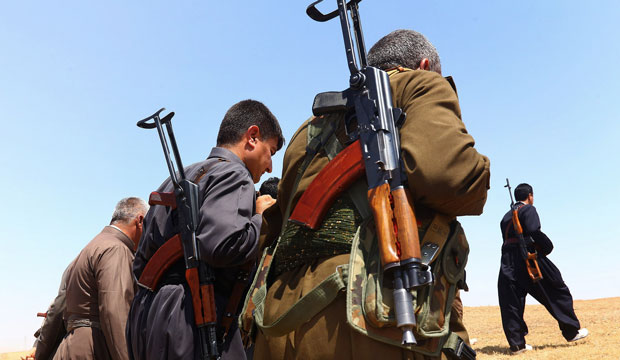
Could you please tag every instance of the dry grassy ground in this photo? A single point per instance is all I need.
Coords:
(15, 355)
(600, 316)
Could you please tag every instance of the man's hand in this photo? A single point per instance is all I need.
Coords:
(263, 202)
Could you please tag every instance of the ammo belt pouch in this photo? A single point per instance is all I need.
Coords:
(369, 302)
(73, 324)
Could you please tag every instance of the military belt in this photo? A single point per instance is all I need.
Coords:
(78, 323)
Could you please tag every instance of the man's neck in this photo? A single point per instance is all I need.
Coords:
(236, 149)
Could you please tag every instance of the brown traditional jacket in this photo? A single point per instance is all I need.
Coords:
(100, 289)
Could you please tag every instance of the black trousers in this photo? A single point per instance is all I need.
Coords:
(514, 284)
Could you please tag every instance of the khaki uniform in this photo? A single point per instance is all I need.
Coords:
(445, 174)
(100, 288)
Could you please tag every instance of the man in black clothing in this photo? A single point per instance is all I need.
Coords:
(514, 282)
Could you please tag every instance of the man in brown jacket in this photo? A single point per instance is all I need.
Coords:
(52, 330)
(100, 287)
(445, 175)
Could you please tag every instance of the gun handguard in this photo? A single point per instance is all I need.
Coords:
(407, 226)
(379, 200)
(337, 176)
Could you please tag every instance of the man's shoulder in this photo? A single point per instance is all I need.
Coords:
(216, 166)
(527, 208)
(109, 238)
(421, 78)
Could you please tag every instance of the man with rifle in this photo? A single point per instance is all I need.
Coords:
(537, 276)
(225, 229)
(441, 169)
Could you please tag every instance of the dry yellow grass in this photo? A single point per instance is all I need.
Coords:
(15, 355)
(600, 316)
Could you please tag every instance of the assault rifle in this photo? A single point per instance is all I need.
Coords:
(530, 258)
(375, 151)
(184, 199)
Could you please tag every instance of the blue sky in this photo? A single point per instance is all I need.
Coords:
(537, 81)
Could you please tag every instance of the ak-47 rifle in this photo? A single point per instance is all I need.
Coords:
(530, 258)
(184, 199)
(375, 152)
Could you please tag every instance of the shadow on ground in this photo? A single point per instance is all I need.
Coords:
(495, 350)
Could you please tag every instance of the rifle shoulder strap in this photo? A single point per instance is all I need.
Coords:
(305, 308)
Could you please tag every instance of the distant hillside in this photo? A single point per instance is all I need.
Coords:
(600, 316)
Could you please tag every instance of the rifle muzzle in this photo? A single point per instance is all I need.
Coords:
(405, 316)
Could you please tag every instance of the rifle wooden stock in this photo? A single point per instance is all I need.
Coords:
(379, 200)
(407, 225)
(337, 176)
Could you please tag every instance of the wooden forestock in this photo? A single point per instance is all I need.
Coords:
(407, 225)
(191, 275)
(379, 200)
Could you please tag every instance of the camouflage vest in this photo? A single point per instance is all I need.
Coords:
(348, 227)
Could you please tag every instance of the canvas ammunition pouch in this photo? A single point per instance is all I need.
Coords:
(370, 305)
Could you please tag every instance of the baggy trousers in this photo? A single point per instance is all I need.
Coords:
(514, 284)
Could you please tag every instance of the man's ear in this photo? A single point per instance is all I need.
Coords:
(425, 64)
(252, 135)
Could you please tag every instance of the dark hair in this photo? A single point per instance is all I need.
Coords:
(522, 191)
(128, 209)
(404, 48)
(270, 187)
(244, 114)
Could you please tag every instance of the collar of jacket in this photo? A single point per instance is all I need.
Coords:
(400, 69)
(223, 153)
(227, 155)
(119, 234)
